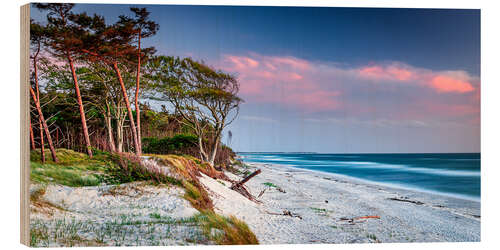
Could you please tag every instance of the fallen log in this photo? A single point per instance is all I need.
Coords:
(250, 176)
(238, 186)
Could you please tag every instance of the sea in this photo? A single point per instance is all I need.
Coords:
(452, 174)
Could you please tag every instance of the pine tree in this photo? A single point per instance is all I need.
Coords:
(144, 28)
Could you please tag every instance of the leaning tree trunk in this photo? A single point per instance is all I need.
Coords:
(40, 114)
(44, 124)
(40, 128)
(32, 137)
(137, 109)
(42, 143)
(129, 110)
(80, 105)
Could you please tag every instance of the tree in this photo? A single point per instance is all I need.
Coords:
(104, 92)
(36, 39)
(144, 28)
(205, 98)
(63, 38)
(112, 46)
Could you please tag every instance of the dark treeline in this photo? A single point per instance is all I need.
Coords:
(92, 82)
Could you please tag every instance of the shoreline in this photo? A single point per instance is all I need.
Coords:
(375, 183)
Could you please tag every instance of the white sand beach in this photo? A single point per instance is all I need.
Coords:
(333, 209)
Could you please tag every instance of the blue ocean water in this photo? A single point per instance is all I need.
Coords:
(456, 175)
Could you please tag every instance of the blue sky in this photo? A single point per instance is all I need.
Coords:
(344, 80)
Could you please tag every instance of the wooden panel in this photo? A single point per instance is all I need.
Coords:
(25, 181)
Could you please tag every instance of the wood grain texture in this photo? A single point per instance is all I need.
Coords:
(25, 167)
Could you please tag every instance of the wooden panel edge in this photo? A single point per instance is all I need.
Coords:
(24, 110)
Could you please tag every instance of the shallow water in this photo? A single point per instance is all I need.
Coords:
(449, 174)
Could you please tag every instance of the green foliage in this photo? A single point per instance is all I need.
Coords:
(269, 184)
(321, 211)
(169, 145)
(318, 210)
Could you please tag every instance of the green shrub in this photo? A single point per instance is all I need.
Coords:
(126, 168)
(178, 144)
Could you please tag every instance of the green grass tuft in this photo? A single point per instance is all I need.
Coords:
(73, 176)
(226, 230)
(269, 184)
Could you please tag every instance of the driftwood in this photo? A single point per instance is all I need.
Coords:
(405, 199)
(286, 213)
(367, 217)
(262, 192)
(238, 186)
(248, 177)
(353, 220)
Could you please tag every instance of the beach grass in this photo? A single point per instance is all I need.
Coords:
(226, 230)
(123, 231)
(73, 169)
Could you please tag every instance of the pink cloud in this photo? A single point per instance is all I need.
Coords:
(296, 76)
(441, 82)
(292, 62)
(317, 86)
(386, 73)
(376, 72)
(263, 77)
(400, 74)
(319, 100)
(444, 83)
(242, 62)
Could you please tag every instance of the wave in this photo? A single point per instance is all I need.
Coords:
(461, 179)
(405, 168)
(375, 165)
(388, 184)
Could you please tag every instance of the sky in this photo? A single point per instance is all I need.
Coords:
(334, 80)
